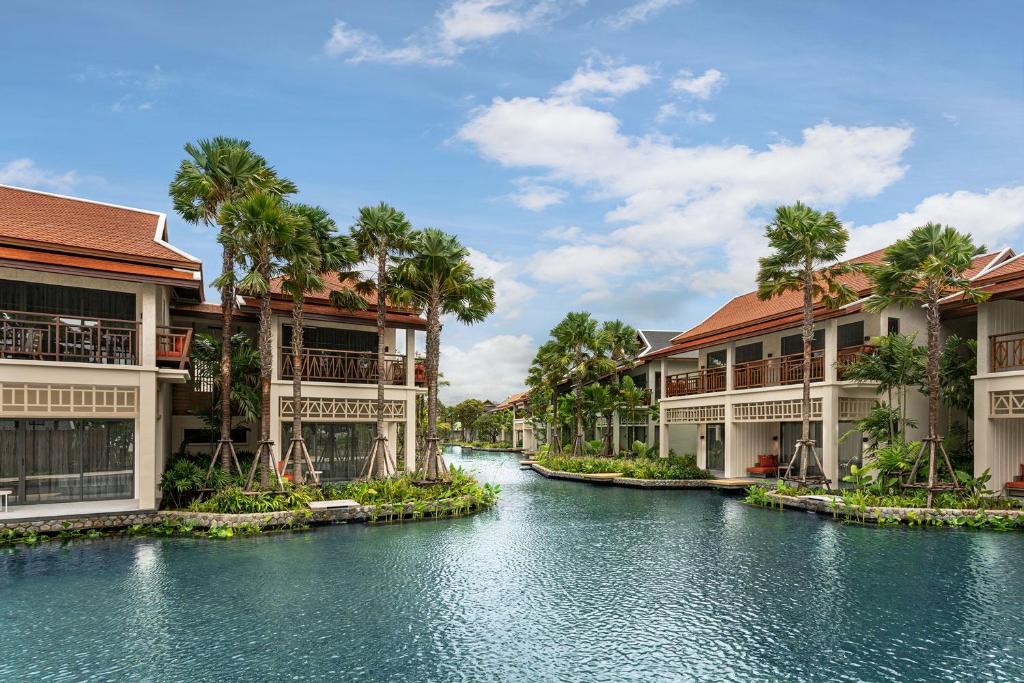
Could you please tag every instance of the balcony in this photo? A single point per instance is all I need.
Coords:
(697, 382)
(1007, 351)
(173, 345)
(848, 355)
(349, 367)
(772, 372)
(57, 338)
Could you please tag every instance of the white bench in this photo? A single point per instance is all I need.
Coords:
(332, 504)
(3, 498)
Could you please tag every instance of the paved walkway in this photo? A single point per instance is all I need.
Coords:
(56, 510)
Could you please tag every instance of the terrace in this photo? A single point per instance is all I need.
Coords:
(1007, 351)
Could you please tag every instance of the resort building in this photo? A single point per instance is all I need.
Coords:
(98, 312)
(744, 397)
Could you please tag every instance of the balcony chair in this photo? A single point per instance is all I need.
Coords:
(767, 466)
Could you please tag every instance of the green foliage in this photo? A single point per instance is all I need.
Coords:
(676, 467)
(958, 363)
(245, 370)
(491, 424)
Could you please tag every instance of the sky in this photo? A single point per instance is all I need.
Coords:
(615, 157)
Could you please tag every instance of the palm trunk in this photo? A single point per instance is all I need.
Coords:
(227, 297)
(933, 389)
(577, 441)
(382, 465)
(266, 364)
(435, 467)
(556, 440)
(808, 339)
(297, 371)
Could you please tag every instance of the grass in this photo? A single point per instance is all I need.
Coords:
(672, 467)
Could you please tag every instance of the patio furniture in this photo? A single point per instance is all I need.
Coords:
(3, 498)
(1015, 488)
(767, 466)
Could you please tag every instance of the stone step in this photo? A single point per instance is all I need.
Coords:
(332, 504)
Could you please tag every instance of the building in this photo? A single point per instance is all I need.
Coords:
(97, 392)
(744, 397)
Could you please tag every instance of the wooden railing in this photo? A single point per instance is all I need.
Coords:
(771, 372)
(1007, 351)
(173, 344)
(67, 338)
(356, 367)
(848, 355)
(696, 382)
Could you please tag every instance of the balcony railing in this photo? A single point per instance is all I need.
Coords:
(355, 367)
(173, 344)
(771, 372)
(1007, 351)
(696, 382)
(67, 338)
(848, 355)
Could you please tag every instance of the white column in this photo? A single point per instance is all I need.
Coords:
(730, 362)
(831, 350)
(410, 433)
(147, 335)
(616, 431)
(410, 357)
(828, 449)
(982, 424)
(663, 440)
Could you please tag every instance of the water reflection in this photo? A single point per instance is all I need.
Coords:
(562, 582)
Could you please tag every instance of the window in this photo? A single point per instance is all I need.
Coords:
(850, 335)
(657, 385)
(333, 338)
(749, 352)
(716, 359)
(338, 449)
(794, 343)
(892, 325)
(207, 436)
(79, 302)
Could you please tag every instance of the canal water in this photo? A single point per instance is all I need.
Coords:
(561, 582)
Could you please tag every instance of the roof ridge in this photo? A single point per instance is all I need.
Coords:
(84, 200)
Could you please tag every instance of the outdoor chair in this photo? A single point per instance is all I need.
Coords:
(767, 466)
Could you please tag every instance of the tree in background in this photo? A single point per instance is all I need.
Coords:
(806, 247)
(922, 269)
(244, 385)
(380, 235)
(437, 277)
(549, 369)
(306, 262)
(491, 424)
(258, 229)
(217, 172)
(622, 346)
(465, 413)
(579, 338)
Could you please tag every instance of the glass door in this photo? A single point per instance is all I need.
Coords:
(715, 447)
(789, 434)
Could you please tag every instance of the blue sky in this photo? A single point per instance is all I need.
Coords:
(618, 157)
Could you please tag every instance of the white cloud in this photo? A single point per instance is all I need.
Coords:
(25, 173)
(492, 368)
(536, 196)
(993, 217)
(457, 27)
(700, 204)
(701, 87)
(138, 87)
(638, 12)
(511, 294)
(563, 233)
(670, 110)
(607, 80)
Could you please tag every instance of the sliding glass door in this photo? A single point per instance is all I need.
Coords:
(715, 444)
(60, 461)
(338, 449)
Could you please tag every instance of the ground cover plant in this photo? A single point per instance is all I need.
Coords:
(629, 465)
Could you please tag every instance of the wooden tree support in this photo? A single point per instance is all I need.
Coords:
(265, 450)
(932, 445)
(380, 450)
(298, 448)
(221, 445)
(806, 454)
(434, 467)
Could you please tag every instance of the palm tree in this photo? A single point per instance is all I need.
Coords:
(579, 337)
(380, 235)
(259, 229)
(438, 277)
(922, 269)
(303, 272)
(807, 245)
(623, 346)
(218, 171)
(547, 371)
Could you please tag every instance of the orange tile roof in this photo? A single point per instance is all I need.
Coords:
(79, 226)
(46, 260)
(335, 284)
(746, 315)
(521, 397)
(249, 311)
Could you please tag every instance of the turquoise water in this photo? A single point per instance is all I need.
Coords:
(562, 582)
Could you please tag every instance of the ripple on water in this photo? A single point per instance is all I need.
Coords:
(562, 582)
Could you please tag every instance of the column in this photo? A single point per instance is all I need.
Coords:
(981, 422)
(828, 449)
(831, 350)
(616, 431)
(730, 362)
(410, 357)
(663, 441)
(410, 433)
